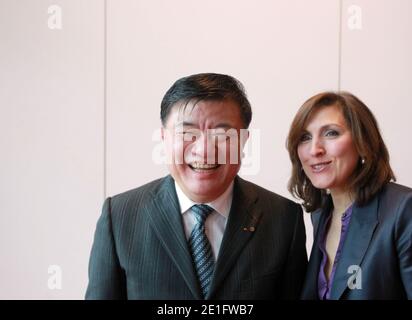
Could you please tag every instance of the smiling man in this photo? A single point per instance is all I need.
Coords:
(201, 232)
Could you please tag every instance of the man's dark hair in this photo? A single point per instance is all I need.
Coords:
(206, 86)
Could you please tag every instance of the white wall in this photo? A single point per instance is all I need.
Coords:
(51, 142)
(377, 66)
(78, 114)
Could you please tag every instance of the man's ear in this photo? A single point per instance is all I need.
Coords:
(162, 133)
(244, 136)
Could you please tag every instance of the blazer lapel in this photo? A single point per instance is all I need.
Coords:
(319, 217)
(243, 220)
(363, 223)
(166, 219)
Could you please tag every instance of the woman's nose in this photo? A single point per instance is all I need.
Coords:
(317, 148)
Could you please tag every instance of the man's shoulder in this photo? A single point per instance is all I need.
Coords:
(261, 192)
(146, 191)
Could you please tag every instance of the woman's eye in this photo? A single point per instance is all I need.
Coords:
(305, 137)
(331, 133)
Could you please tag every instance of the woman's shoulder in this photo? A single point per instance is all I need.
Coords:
(395, 201)
(396, 192)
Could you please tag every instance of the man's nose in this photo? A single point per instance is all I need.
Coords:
(203, 148)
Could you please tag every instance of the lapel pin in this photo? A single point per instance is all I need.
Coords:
(250, 229)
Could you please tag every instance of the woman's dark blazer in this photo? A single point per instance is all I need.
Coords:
(376, 258)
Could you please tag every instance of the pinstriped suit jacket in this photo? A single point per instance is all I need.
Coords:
(140, 250)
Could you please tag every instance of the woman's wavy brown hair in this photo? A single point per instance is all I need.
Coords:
(368, 177)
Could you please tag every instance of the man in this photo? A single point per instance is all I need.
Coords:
(202, 232)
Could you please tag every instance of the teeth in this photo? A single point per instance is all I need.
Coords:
(203, 166)
(320, 166)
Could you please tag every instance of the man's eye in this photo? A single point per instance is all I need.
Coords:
(220, 135)
(185, 134)
(229, 135)
(189, 136)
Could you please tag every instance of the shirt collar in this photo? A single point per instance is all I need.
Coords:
(221, 204)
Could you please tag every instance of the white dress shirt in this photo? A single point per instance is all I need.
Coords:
(216, 221)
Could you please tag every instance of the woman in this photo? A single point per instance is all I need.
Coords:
(362, 221)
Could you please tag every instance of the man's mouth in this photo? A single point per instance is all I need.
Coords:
(203, 167)
(319, 167)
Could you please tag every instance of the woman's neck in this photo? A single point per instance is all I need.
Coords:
(341, 201)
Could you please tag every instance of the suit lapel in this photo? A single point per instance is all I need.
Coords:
(363, 223)
(166, 219)
(243, 220)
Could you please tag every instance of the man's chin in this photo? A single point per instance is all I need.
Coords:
(203, 192)
(203, 189)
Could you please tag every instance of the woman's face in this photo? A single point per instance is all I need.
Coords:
(326, 150)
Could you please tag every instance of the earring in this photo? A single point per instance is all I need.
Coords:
(363, 161)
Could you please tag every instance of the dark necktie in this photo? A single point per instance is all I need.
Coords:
(201, 249)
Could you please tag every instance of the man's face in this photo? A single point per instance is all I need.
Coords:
(203, 145)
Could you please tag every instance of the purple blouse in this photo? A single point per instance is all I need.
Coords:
(324, 286)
